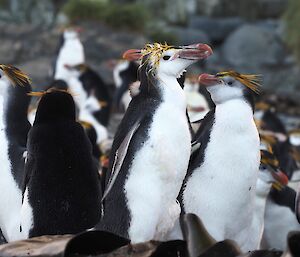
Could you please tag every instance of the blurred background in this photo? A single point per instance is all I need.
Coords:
(253, 36)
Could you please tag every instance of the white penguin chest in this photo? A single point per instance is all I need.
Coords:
(163, 159)
(225, 182)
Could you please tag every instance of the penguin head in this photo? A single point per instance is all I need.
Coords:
(54, 106)
(294, 137)
(71, 33)
(11, 76)
(165, 60)
(230, 85)
(270, 172)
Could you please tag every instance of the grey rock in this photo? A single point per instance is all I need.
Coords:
(38, 71)
(217, 29)
(9, 51)
(254, 9)
(186, 36)
(251, 46)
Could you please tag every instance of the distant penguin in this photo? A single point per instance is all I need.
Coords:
(61, 193)
(14, 126)
(124, 74)
(147, 165)
(198, 105)
(280, 218)
(269, 176)
(223, 168)
(91, 97)
(94, 88)
(70, 52)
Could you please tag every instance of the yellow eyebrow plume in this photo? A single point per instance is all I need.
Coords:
(16, 76)
(249, 80)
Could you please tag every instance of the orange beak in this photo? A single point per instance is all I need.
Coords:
(132, 54)
(208, 80)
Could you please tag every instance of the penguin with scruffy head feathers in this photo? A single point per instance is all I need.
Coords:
(61, 191)
(146, 166)
(14, 126)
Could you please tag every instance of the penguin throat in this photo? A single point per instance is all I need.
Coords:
(171, 91)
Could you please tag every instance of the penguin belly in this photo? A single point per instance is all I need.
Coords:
(72, 54)
(157, 171)
(10, 193)
(222, 190)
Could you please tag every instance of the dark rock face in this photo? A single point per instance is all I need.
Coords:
(217, 29)
(253, 46)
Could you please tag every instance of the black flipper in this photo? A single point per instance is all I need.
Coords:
(119, 158)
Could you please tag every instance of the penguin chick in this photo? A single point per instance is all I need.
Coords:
(61, 191)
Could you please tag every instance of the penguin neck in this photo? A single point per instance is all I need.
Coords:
(14, 108)
(262, 191)
(171, 91)
(237, 113)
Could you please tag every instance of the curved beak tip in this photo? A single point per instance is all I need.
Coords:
(132, 54)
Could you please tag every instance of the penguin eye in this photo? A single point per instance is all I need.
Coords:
(166, 57)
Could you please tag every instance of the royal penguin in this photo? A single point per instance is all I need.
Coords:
(146, 166)
(70, 52)
(281, 215)
(124, 73)
(61, 193)
(270, 177)
(223, 168)
(280, 218)
(14, 127)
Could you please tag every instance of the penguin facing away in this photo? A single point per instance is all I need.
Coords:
(61, 191)
(146, 166)
(14, 126)
(223, 169)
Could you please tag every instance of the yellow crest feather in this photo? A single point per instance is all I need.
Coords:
(155, 51)
(249, 80)
(42, 93)
(16, 76)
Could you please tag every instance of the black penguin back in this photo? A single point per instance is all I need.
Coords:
(61, 177)
(17, 127)
(93, 84)
(127, 76)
